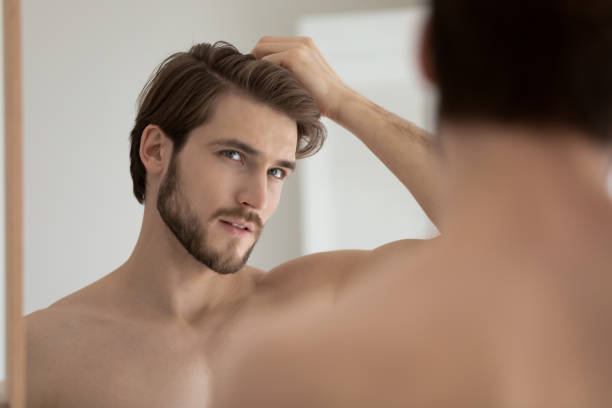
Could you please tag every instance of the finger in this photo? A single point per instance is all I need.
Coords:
(269, 45)
(292, 53)
(294, 39)
(263, 49)
(289, 41)
(280, 58)
(303, 69)
(298, 50)
(300, 72)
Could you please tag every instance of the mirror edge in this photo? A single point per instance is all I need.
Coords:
(13, 105)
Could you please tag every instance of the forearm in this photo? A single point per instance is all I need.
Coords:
(403, 147)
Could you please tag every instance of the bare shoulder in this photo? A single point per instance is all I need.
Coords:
(330, 270)
(312, 271)
(383, 261)
(43, 329)
(47, 330)
(48, 333)
(404, 250)
(54, 337)
(51, 326)
(46, 324)
(330, 343)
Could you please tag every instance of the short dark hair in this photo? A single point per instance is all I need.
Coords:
(181, 93)
(546, 62)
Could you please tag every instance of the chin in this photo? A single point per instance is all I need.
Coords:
(221, 262)
(223, 258)
(229, 268)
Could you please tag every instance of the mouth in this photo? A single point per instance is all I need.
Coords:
(238, 226)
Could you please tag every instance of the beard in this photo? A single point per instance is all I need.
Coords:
(186, 226)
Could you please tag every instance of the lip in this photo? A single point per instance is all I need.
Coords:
(250, 227)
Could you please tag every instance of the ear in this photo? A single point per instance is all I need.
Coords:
(155, 149)
(426, 54)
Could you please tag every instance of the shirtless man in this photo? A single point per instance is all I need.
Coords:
(216, 134)
(508, 308)
(511, 306)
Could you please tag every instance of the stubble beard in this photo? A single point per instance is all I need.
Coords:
(184, 223)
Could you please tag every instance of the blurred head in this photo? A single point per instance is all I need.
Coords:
(542, 62)
(216, 135)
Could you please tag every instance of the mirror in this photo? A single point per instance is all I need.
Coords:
(3, 224)
(12, 384)
(84, 66)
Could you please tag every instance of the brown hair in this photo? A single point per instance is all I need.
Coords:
(181, 93)
(546, 62)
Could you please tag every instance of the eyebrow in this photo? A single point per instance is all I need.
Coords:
(250, 150)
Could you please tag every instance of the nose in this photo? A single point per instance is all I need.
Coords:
(254, 193)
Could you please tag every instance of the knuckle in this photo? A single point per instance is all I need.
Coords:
(303, 50)
(296, 53)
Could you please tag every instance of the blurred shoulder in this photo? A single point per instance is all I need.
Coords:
(333, 268)
(313, 270)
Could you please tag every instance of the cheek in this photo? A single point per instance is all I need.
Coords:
(274, 197)
(209, 189)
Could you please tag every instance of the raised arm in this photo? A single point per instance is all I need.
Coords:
(403, 147)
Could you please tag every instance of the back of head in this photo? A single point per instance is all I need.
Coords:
(182, 92)
(542, 62)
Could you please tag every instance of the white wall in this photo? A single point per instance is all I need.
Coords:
(84, 64)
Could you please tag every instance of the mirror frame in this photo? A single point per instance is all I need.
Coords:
(13, 161)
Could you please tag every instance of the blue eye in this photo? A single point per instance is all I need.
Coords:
(277, 173)
(232, 154)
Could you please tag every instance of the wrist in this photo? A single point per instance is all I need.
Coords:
(344, 98)
(350, 104)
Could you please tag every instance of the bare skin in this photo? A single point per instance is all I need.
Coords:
(159, 330)
(510, 307)
(474, 318)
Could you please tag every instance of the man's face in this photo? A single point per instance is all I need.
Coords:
(226, 182)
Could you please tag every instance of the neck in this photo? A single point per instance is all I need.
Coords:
(162, 278)
(523, 182)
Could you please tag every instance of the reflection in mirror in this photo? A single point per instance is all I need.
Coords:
(84, 66)
(124, 304)
(81, 219)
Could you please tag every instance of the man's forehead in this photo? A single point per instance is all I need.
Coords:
(241, 109)
(252, 123)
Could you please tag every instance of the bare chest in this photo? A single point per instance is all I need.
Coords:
(132, 367)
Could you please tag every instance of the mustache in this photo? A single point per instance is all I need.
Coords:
(239, 213)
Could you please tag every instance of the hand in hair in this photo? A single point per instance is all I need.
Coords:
(403, 147)
(301, 56)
